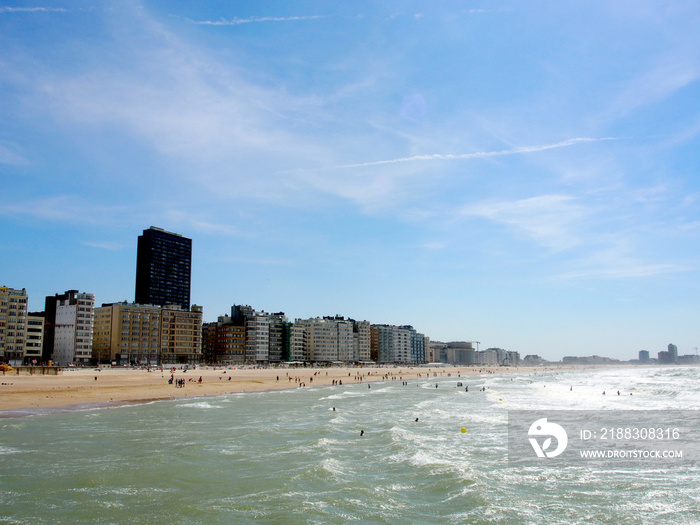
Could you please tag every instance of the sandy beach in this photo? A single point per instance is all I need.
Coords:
(87, 385)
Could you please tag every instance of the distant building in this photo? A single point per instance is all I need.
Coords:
(321, 340)
(673, 353)
(665, 358)
(398, 344)
(644, 356)
(532, 359)
(181, 335)
(589, 360)
(163, 268)
(127, 333)
(34, 338)
(223, 342)
(257, 334)
(69, 328)
(135, 334)
(688, 359)
(331, 339)
(433, 350)
(417, 345)
(460, 353)
(278, 338)
(296, 343)
(488, 357)
(362, 341)
(346, 341)
(13, 319)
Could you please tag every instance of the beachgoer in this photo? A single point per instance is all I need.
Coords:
(362, 433)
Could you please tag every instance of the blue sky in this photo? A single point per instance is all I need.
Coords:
(523, 174)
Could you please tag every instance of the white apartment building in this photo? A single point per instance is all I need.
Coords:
(297, 341)
(346, 342)
(321, 340)
(73, 328)
(34, 340)
(13, 316)
(257, 332)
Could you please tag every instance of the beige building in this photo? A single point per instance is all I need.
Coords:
(181, 335)
(320, 340)
(362, 341)
(13, 317)
(128, 333)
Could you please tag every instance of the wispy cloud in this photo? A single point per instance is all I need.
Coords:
(9, 9)
(10, 154)
(548, 219)
(104, 245)
(653, 86)
(480, 154)
(69, 209)
(624, 271)
(253, 20)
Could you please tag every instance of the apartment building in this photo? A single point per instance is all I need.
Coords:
(69, 328)
(13, 319)
(34, 339)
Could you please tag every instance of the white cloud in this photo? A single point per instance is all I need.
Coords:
(653, 86)
(8, 9)
(207, 116)
(61, 208)
(104, 245)
(10, 154)
(624, 271)
(548, 219)
(239, 21)
(479, 154)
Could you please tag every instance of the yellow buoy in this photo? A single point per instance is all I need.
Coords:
(464, 430)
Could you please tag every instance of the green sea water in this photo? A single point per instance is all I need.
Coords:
(288, 457)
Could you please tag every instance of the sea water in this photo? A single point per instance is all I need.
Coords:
(289, 457)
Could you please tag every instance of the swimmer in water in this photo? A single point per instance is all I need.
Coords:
(362, 433)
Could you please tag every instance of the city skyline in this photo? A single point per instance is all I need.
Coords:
(520, 175)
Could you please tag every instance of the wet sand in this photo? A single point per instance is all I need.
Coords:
(88, 386)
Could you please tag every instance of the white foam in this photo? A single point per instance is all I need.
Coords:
(200, 404)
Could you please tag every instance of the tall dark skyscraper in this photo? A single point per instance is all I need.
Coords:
(163, 268)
